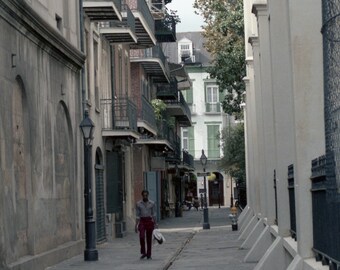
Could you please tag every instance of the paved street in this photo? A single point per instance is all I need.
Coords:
(187, 246)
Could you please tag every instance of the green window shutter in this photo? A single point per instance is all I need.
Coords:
(221, 97)
(191, 141)
(213, 149)
(189, 96)
(113, 182)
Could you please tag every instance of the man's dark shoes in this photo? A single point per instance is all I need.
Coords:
(149, 258)
(143, 256)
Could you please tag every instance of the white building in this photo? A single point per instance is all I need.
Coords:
(207, 116)
(285, 137)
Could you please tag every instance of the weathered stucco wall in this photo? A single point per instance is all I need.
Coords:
(39, 141)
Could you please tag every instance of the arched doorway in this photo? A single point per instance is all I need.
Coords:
(100, 208)
(216, 190)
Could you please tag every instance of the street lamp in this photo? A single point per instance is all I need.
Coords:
(206, 224)
(90, 252)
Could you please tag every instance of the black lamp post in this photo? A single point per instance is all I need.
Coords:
(231, 193)
(206, 224)
(90, 252)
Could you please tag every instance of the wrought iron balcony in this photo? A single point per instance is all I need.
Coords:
(120, 32)
(174, 156)
(145, 24)
(103, 10)
(157, 8)
(168, 91)
(187, 159)
(119, 118)
(166, 29)
(163, 136)
(153, 61)
(180, 109)
(146, 118)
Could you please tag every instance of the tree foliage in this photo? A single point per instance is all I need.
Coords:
(224, 33)
(234, 161)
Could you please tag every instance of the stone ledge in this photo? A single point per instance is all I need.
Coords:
(48, 258)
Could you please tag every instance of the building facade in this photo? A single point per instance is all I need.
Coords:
(58, 61)
(208, 119)
(40, 142)
(290, 135)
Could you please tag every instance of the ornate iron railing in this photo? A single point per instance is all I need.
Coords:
(147, 113)
(325, 190)
(119, 114)
(291, 193)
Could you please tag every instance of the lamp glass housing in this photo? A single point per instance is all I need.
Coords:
(87, 128)
(203, 159)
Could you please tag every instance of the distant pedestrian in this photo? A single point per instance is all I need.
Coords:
(145, 223)
(196, 203)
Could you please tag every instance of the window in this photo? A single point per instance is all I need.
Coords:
(185, 52)
(212, 98)
(188, 140)
(188, 95)
(185, 137)
(185, 47)
(213, 141)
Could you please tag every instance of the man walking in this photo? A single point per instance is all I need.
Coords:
(145, 223)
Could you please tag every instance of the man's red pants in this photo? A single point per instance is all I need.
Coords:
(145, 227)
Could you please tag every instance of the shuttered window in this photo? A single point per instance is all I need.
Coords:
(188, 140)
(213, 141)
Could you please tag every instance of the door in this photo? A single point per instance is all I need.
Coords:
(153, 185)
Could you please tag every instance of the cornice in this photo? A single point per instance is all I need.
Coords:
(253, 40)
(22, 17)
(249, 60)
(260, 8)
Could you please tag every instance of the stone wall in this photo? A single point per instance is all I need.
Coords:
(40, 143)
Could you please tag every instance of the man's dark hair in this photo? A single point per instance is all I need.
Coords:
(145, 191)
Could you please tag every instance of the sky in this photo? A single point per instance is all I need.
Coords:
(189, 20)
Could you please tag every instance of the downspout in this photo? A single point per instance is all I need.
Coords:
(82, 75)
(113, 94)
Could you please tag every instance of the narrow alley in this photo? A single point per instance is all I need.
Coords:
(187, 246)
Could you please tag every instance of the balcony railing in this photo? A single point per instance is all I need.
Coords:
(188, 159)
(168, 91)
(119, 114)
(120, 32)
(291, 193)
(166, 29)
(147, 113)
(180, 101)
(157, 8)
(153, 60)
(129, 18)
(143, 8)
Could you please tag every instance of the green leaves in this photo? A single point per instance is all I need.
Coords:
(233, 146)
(224, 32)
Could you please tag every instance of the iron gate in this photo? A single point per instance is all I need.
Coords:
(100, 209)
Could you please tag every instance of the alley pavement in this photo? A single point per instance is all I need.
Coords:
(187, 246)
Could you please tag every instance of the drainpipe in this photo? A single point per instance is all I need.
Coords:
(82, 75)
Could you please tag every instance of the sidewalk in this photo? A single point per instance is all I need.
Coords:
(187, 246)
